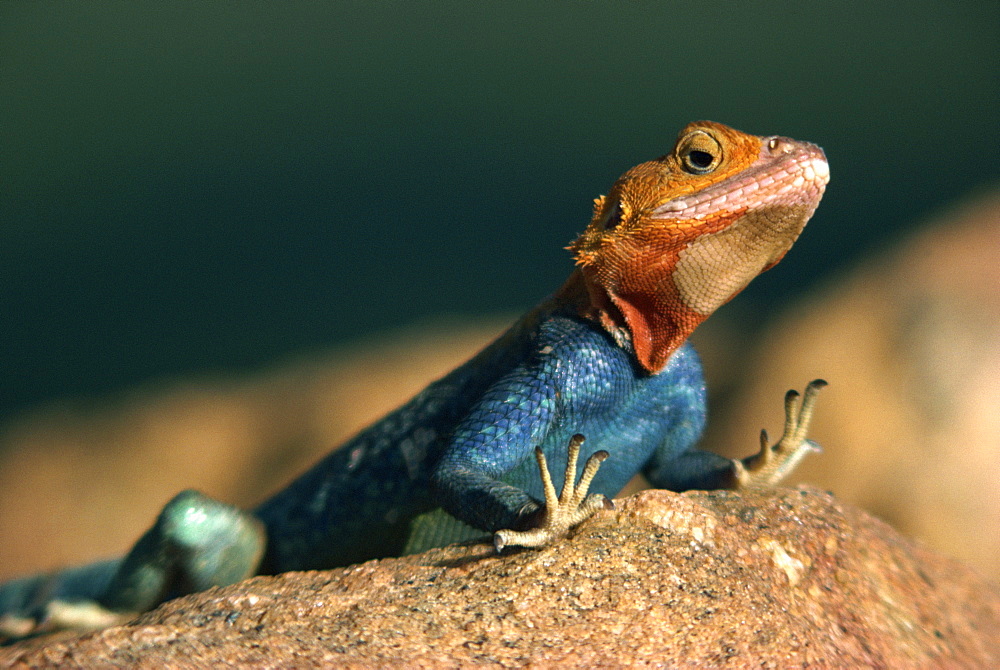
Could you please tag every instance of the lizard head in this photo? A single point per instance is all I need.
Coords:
(679, 236)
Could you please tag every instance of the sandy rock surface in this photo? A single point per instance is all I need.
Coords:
(717, 579)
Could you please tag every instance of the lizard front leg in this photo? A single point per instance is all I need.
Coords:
(773, 462)
(570, 508)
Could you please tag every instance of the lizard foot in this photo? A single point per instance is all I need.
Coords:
(567, 510)
(769, 466)
(82, 616)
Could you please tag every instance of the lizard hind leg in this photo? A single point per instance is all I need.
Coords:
(196, 543)
(570, 508)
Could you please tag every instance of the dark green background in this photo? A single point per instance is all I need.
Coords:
(190, 187)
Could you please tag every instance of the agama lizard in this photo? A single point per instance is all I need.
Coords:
(605, 357)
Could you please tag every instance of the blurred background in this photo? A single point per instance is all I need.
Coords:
(233, 233)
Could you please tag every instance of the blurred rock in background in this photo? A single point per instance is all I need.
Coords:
(910, 343)
(82, 481)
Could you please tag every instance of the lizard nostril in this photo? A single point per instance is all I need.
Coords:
(779, 145)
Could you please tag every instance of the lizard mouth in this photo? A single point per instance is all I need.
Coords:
(787, 172)
(774, 197)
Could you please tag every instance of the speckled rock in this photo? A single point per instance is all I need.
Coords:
(717, 579)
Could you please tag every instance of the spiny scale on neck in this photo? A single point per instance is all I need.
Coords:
(679, 236)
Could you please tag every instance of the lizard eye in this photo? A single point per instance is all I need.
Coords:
(699, 152)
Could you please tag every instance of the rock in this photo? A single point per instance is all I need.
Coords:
(716, 579)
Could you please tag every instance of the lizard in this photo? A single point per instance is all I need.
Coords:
(606, 356)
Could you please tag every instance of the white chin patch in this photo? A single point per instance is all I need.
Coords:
(715, 267)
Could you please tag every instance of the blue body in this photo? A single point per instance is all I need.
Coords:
(466, 444)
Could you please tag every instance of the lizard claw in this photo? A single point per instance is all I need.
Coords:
(571, 507)
(772, 463)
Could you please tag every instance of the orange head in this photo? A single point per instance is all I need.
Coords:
(679, 236)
